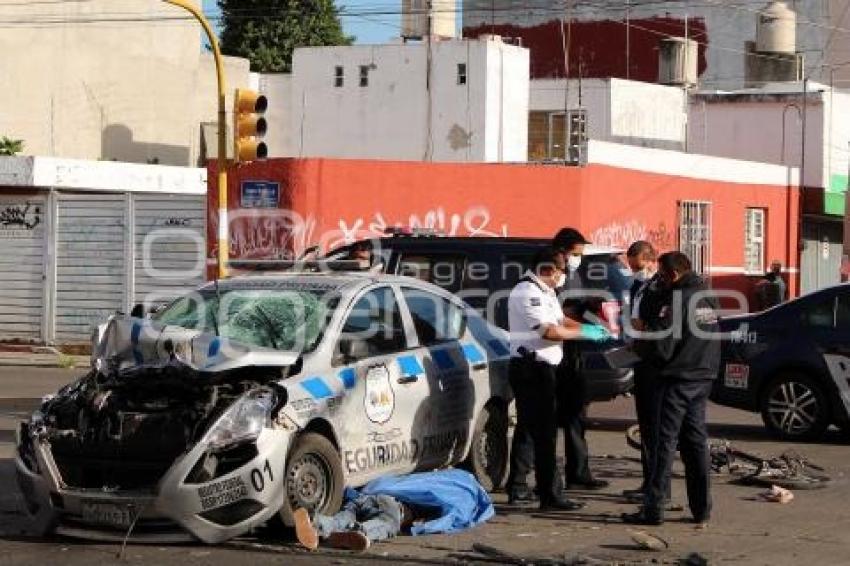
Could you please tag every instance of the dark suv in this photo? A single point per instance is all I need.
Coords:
(480, 268)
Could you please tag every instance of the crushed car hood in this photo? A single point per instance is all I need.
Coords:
(125, 343)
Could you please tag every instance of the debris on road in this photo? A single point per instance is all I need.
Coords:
(647, 541)
(777, 494)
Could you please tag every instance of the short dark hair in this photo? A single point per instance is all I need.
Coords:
(567, 237)
(546, 257)
(674, 261)
(641, 247)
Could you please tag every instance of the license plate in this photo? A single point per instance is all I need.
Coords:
(736, 376)
(108, 514)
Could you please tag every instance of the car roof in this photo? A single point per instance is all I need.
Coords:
(314, 281)
(499, 241)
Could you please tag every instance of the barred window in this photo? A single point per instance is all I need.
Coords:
(754, 241)
(695, 234)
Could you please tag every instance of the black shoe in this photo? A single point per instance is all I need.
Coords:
(642, 518)
(521, 495)
(561, 504)
(591, 484)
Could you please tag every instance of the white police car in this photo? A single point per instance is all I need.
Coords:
(243, 400)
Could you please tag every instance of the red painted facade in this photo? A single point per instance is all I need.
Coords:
(328, 202)
(598, 48)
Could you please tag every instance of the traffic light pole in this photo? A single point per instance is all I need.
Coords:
(221, 165)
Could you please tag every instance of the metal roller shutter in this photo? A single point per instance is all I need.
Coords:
(23, 222)
(91, 267)
(169, 246)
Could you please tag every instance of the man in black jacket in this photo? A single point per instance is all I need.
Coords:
(686, 349)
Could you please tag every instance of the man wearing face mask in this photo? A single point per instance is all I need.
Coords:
(572, 385)
(538, 328)
(686, 352)
(641, 258)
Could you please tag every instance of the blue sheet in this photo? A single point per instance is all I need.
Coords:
(455, 495)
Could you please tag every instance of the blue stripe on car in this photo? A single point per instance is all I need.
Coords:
(443, 359)
(348, 377)
(410, 366)
(473, 354)
(317, 388)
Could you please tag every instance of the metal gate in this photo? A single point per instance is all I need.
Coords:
(91, 269)
(820, 261)
(22, 270)
(169, 246)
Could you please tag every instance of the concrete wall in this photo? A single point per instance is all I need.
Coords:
(400, 114)
(603, 45)
(107, 79)
(631, 112)
(624, 194)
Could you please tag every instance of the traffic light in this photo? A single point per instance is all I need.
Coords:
(249, 126)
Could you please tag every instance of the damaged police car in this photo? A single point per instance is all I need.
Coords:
(259, 394)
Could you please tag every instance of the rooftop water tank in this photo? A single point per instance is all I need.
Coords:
(776, 29)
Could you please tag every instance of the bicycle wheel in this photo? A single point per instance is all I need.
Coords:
(633, 436)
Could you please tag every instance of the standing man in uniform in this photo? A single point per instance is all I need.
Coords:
(687, 353)
(537, 328)
(572, 385)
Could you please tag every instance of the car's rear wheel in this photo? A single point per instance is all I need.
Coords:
(795, 407)
(489, 453)
(313, 477)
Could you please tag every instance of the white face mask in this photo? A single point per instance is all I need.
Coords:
(562, 280)
(573, 262)
(641, 275)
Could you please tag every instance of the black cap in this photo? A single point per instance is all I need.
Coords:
(566, 238)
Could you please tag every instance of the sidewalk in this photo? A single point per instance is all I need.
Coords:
(39, 356)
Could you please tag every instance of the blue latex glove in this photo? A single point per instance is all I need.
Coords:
(594, 333)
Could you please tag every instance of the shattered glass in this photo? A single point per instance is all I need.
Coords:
(289, 320)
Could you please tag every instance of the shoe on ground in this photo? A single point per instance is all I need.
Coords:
(561, 504)
(305, 532)
(348, 540)
(521, 495)
(591, 484)
(642, 518)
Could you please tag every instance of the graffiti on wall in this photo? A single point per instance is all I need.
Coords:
(280, 233)
(19, 217)
(621, 235)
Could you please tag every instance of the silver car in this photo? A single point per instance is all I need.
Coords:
(256, 395)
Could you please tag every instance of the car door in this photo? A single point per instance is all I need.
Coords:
(448, 408)
(833, 341)
(372, 357)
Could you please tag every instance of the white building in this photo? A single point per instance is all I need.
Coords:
(450, 100)
(616, 110)
(766, 124)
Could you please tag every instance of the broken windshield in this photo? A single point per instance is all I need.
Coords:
(290, 320)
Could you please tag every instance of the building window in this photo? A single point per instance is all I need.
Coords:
(461, 73)
(339, 76)
(754, 241)
(364, 75)
(695, 233)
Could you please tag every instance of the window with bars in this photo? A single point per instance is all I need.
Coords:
(339, 76)
(695, 233)
(754, 229)
(364, 75)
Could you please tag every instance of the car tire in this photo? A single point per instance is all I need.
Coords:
(313, 477)
(794, 406)
(489, 452)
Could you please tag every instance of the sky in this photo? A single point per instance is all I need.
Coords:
(367, 29)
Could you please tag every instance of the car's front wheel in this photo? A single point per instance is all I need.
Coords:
(489, 453)
(313, 477)
(795, 407)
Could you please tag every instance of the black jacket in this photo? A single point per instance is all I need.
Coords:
(685, 313)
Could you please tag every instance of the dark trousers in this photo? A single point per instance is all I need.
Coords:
(572, 399)
(535, 393)
(646, 399)
(681, 419)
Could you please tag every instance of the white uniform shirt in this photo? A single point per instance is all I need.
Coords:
(532, 305)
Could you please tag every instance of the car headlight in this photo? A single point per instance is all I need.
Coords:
(243, 421)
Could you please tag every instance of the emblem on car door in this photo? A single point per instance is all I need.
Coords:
(379, 400)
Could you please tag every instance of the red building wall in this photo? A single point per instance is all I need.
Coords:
(329, 202)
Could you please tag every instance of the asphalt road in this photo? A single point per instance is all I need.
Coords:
(813, 529)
